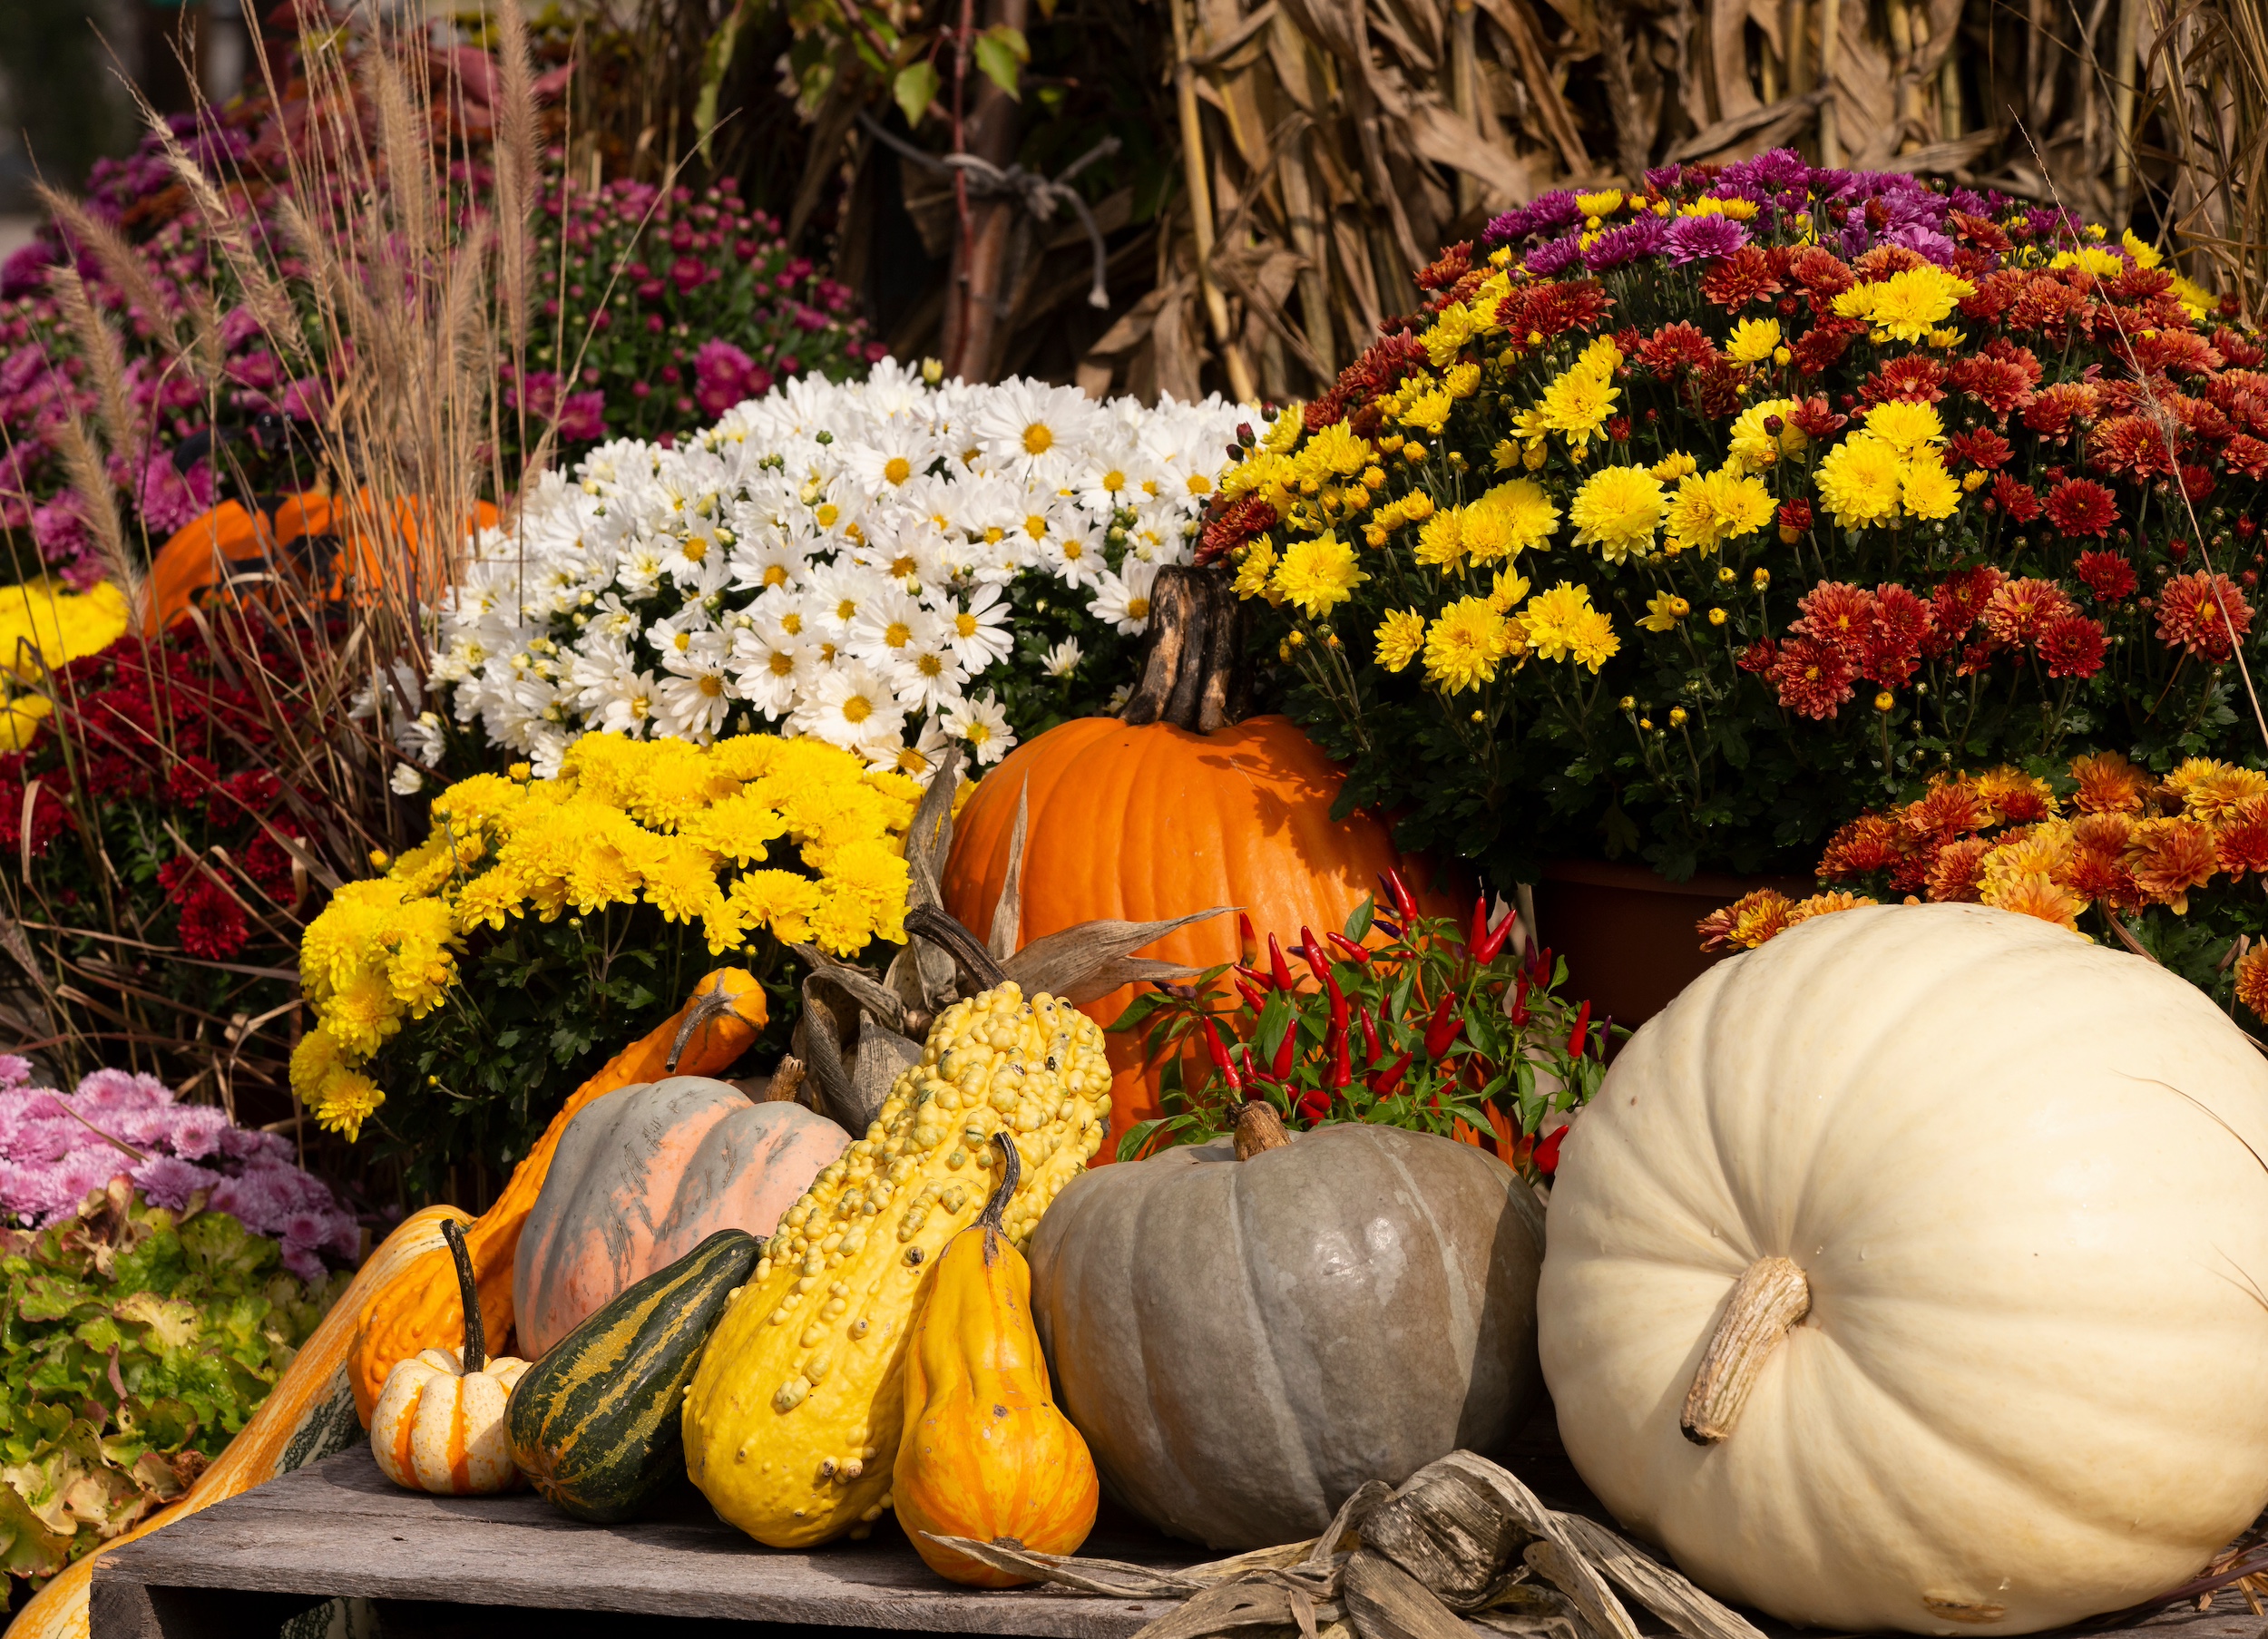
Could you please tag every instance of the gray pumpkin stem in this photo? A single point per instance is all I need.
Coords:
(968, 953)
(1011, 1174)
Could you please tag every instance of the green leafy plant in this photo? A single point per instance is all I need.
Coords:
(1459, 1031)
(134, 1343)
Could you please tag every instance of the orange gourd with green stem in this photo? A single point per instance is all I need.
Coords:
(1180, 801)
(986, 1453)
(419, 1307)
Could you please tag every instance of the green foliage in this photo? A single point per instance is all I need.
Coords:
(133, 1344)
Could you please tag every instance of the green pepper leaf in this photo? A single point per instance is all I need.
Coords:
(1001, 53)
(915, 88)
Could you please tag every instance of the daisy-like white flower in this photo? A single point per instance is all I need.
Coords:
(764, 561)
(836, 592)
(918, 760)
(1064, 657)
(695, 697)
(889, 456)
(887, 621)
(1124, 598)
(1024, 425)
(772, 669)
(983, 723)
(1075, 557)
(977, 627)
(849, 704)
(623, 702)
(926, 673)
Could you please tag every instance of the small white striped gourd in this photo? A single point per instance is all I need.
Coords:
(792, 1419)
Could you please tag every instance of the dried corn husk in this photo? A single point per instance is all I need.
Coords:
(1461, 1542)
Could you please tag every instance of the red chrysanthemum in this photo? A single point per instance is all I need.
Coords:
(1676, 349)
(1979, 232)
(2080, 506)
(1870, 844)
(1917, 378)
(1758, 659)
(2237, 349)
(1816, 419)
(1896, 638)
(1821, 274)
(2017, 499)
(1826, 343)
(2246, 454)
(1814, 678)
(1982, 448)
(212, 925)
(2020, 610)
(2053, 411)
(2241, 842)
(2191, 609)
(2072, 645)
(1835, 612)
(1961, 598)
(2105, 574)
(2175, 352)
(1994, 382)
(1795, 516)
(2133, 445)
(1958, 870)
(1244, 519)
(1742, 277)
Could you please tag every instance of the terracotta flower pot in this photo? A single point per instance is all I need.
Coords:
(1627, 931)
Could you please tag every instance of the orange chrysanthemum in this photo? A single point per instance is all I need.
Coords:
(2103, 834)
(2241, 842)
(1746, 923)
(2170, 856)
(1871, 842)
(2214, 791)
(2015, 796)
(2251, 981)
(2108, 784)
(1959, 869)
(2099, 878)
(1821, 904)
(2040, 895)
(1949, 808)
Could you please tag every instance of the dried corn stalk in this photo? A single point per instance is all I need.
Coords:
(1461, 1541)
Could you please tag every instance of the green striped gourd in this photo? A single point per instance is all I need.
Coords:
(595, 1424)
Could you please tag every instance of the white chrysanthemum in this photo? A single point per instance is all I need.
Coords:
(1124, 600)
(850, 703)
(1075, 556)
(772, 670)
(887, 621)
(1024, 425)
(983, 723)
(1064, 658)
(696, 696)
(926, 672)
(977, 627)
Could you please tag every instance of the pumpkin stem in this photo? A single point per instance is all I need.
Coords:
(1259, 1127)
(475, 1331)
(1011, 1172)
(1770, 1297)
(1193, 675)
(977, 967)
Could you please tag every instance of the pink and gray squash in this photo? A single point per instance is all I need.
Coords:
(645, 1175)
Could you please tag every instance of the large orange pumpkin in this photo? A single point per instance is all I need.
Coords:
(419, 1307)
(231, 540)
(1166, 808)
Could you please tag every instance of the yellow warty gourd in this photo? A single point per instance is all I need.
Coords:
(793, 1418)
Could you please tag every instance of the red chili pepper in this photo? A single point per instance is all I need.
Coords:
(1405, 902)
(1370, 1036)
(1357, 954)
(1278, 969)
(1547, 1156)
(1338, 998)
(1480, 929)
(1253, 999)
(1255, 976)
(1281, 1065)
(1486, 948)
(1578, 1038)
(1443, 1029)
(1342, 1060)
(1217, 1050)
(1520, 1001)
(1312, 953)
(1248, 941)
(1382, 1082)
(1539, 970)
(1314, 1104)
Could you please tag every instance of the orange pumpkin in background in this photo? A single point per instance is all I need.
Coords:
(299, 540)
(1167, 808)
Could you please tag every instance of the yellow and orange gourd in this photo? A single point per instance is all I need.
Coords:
(795, 1415)
(986, 1454)
(439, 1426)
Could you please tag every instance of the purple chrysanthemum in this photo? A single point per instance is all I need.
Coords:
(1692, 238)
(1549, 260)
(1547, 213)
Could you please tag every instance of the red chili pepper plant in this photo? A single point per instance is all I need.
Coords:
(1453, 1026)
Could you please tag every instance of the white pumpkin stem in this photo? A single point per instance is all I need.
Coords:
(1259, 1127)
(1771, 1297)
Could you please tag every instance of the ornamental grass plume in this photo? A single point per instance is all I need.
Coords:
(458, 997)
(2021, 460)
(2175, 868)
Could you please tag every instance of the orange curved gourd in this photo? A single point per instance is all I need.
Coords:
(309, 1415)
(231, 540)
(987, 1452)
(419, 1307)
(1149, 822)
(439, 1426)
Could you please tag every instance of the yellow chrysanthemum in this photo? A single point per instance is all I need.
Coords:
(1754, 448)
(1907, 428)
(1400, 638)
(1908, 304)
(1928, 490)
(1318, 575)
(1448, 334)
(1255, 569)
(1861, 481)
(1617, 510)
(1464, 645)
(1562, 625)
(1707, 512)
(1753, 340)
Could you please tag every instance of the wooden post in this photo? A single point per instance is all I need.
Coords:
(1830, 137)
(983, 256)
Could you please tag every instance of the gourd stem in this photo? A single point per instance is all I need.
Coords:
(475, 1331)
(1193, 675)
(1259, 1127)
(968, 953)
(1011, 1172)
(1771, 1296)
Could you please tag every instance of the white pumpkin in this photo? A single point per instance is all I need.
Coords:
(2009, 1188)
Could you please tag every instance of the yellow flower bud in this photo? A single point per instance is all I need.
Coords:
(1716, 617)
(1676, 716)
(1884, 700)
